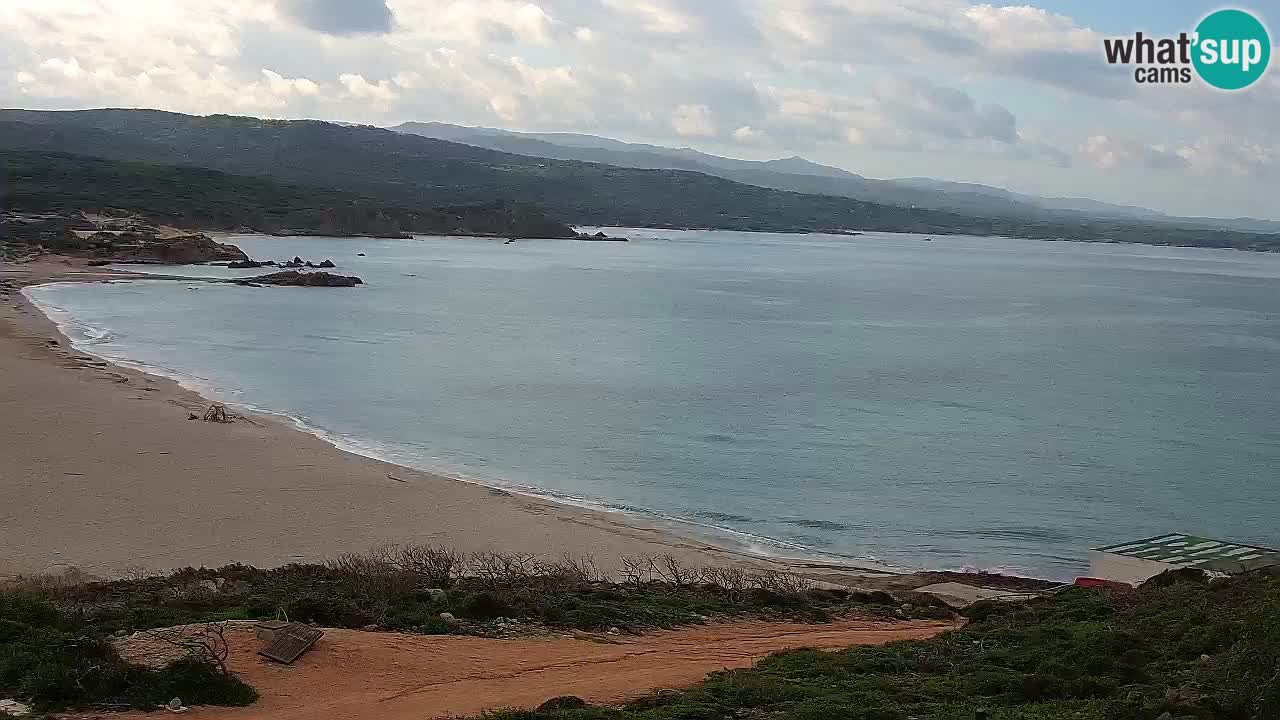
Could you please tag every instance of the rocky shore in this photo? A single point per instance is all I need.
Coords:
(105, 239)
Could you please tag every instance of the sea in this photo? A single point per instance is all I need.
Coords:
(883, 400)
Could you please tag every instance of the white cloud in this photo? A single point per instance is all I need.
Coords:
(68, 68)
(285, 86)
(1108, 152)
(481, 22)
(1233, 156)
(898, 112)
(655, 17)
(358, 87)
(693, 121)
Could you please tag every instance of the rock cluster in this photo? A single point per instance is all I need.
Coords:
(293, 278)
(298, 262)
(600, 237)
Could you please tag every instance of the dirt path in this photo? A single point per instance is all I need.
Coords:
(353, 675)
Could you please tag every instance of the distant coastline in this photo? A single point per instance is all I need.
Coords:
(279, 178)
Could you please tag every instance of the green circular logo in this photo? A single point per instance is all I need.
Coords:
(1232, 49)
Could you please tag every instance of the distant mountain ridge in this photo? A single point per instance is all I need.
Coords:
(403, 170)
(794, 173)
(798, 174)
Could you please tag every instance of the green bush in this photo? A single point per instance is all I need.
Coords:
(53, 659)
(564, 702)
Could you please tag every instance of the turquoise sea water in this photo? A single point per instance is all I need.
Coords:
(965, 402)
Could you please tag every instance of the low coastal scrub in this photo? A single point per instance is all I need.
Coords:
(437, 590)
(1180, 645)
(54, 632)
(55, 657)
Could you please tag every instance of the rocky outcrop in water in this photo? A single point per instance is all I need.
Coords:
(600, 237)
(298, 262)
(293, 278)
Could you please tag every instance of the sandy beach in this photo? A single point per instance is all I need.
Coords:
(101, 470)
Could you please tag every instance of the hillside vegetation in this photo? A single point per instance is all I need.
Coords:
(1178, 645)
(200, 198)
(55, 633)
(1181, 644)
(409, 170)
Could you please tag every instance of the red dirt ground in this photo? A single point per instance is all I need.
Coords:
(352, 675)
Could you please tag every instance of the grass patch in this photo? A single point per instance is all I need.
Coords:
(1179, 644)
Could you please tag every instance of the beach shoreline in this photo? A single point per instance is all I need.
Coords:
(106, 474)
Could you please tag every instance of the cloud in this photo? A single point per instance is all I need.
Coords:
(341, 17)
(653, 17)
(1040, 152)
(286, 86)
(358, 87)
(486, 23)
(942, 112)
(1107, 152)
(1233, 156)
(999, 41)
(693, 121)
(1206, 155)
(902, 113)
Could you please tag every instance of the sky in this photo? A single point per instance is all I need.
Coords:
(1013, 95)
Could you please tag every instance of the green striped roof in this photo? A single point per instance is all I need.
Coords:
(1196, 552)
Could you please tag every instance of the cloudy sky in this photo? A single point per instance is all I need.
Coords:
(1010, 95)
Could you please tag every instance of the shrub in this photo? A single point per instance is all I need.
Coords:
(331, 610)
(564, 702)
(485, 605)
(48, 656)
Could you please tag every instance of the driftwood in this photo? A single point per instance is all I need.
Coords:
(205, 643)
(217, 412)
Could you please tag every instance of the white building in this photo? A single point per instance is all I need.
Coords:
(1134, 562)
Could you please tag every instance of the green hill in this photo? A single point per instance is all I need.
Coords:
(403, 169)
(193, 197)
